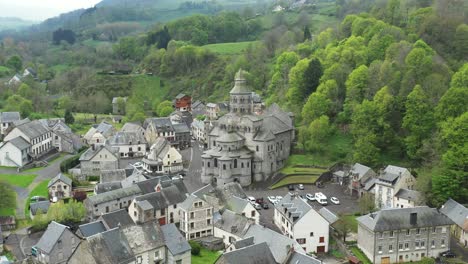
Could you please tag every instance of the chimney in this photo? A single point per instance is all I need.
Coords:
(413, 218)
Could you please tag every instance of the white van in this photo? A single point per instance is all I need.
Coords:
(321, 198)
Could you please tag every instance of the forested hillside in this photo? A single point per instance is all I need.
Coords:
(374, 82)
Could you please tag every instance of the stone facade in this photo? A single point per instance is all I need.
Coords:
(245, 147)
(196, 218)
(96, 159)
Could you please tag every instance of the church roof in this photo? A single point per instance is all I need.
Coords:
(240, 83)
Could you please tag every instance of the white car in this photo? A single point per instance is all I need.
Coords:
(310, 197)
(272, 199)
(178, 177)
(257, 206)
(301, 186)
(279, 198)
(334, 200)
(251, 199)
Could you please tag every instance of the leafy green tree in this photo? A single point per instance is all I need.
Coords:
(357, 84)
(317, 105)
(312, 76)
(307, 35)
(15, 62)
(7, 195)
(319, 131)
(365, 149)
(69, 119)
(419, 62)
(20, 104)
(297, 87)
(455, 101)
(366, 203)
(25, 91)
(303, 136)
(418, 121)
(343, 226)
(164, 108)
(461, 38)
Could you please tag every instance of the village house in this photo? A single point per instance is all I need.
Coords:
(63, 139)
(107, 187)
(298, 220)
(117, 175)
(29, 72)
(97, 159)
(198, 109)
(178, 250)
(182, 135)
(459, 215)
(163, 158)
(39, 207)
(128, 144)
(158, 127)
(244, 147)
(133, 128)
(229, 226)
(60, 187)
(405, 198)
(146, 242)
(403, 234)
(15, 80)
(359, 175)
(118, 105)
(178, 117)
(183, 103)
(7, 223)
(248, 254)
(389, 182)
(98, 134)
(119, 218)
(90, 229)
(56, 244)
(7, 119)
(196, 218)
(243, 207)
(27, 141)
(158, 203)
(198, 130)
(216, 110)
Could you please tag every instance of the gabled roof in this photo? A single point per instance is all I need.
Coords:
(175, 242)
(456, 212)
(253, 254)
(359, 169)
(301, 258)
(188, 203)
(90, 153)
(42, 205)
(107, 187)
(116, 219)
(91, 229)
(399, 218)
(167, 196)
(131, 127)
(51, 236)
(295, 207)
(114, 195)
(328, 215)
(181, 95)
(9, 117)
(144, 237)
(20, 143)
(244, 242)
(60, 177)
(126, 138)
(181, 128)
(107, 247)
(113, 175)
(197, 104)
(33, 129)
(105, 129)
(160, 123)
(237, 204)
(231, 222)
(410, 195)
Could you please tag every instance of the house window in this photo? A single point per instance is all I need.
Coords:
(192, 225)
(391, 233)
(407, 232)
(163, 211)
(434, 229)
(311, 234)
(442, 243)
(400, 246)
(390, 248)
(406, 245)
(301, 240)
(416, 244)
(216, 163)
(423, 243)
(208, 212)
(444, 229)
(156, 254)
(322, 240)
(224, 166)
(418, 231)
(253, 213)
(381, 235)
(433, 243)
(178, 261)
(380, 250)
(139, 259)
(192, 215)
(235, 164)
(208, 221)
(257, 148)
(175, 206)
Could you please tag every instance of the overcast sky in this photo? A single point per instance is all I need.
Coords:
(39, 10)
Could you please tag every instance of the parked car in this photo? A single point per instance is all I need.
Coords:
(321, 198)
(38, 198)
(334, 200)
(257, 206)
(319, 184)
(260, 200)
(272, 199)
(310, 197)
(300, 186)
(291, 187)
(448, 254)
(178, 177)
(251, 199)
(265, 206)
(279, 198)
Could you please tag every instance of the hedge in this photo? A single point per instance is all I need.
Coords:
(69, 163)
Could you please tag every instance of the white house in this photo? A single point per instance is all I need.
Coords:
(243, 207)
(196, 218)
(129, 144)
(14, 153)
(198, 130)
(60, 186)
(7, 119)
(98, 134)
(96, 159)
(405, 198)
(390, 181)
(163, 158)
(298, 220)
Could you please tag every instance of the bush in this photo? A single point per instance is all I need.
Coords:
(94, 178)
(69, 163)
(196, 248)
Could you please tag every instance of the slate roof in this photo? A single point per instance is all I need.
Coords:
(410, 195)
(456, 212)
(149, 185)
(107, 247)
(144, 237)
(162, 124)
(175, 242)
(180, 96)
(197, 104)
(107, 187)
(10, 117)
(198, 124)
(20, 143)
(296, 208)
(51, 236)
(169, 195)
(301, 258)
(131, 127)
(237, 204)
(244, 242)
(43, 205)
(91, 229)
(278, 243)
(328, 215)
(105, 128)
(181, 128)
(113, 175)
(60, 177)
(114, 195)
(240, 83)
(188, 203)
(33, 129)
(399, 218)
(254, 254)
(359, 169)
(231, 222)
(90, 153)
(126, 138)
(222, 193)
(116, 219)
(370, 184)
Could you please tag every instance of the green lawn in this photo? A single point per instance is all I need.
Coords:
(298, 170)
(358, 253)
(206, 257)
(39, 190)
(296, 179)
(353, 221)
(232, 48)
(22, 181)
(8, 204)
(8, 211)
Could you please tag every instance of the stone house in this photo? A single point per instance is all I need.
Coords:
(159, 203)
(244, 147)
(15, 152)
(389, 182)
(163, 158)
(218, 196)
(405, 198)
(158, 127)
(38, 207)
(183, 103)
(243, 207)
(403, 234)
(56, 244)
(129, 144)
(98, 134)
(248, 254)
(97, 159)
(229, 226)
(459, 215)
(15, 80)
(119, 218)
(146, 242)
(7, 119)
(198, 130)
(134, 128)
(7, 223)
(178, 117)
(60, 187)
(216, 110)
(196, 218)
(198, 108)
(298, 220)
(182, 135)
(63, 139)
(178, 250)
(359, 175)
(118, 105)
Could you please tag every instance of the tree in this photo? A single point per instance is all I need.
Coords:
(461, 38)
(356, 84)
(319, 131)
(297, 87)
(365, 149)
(7, 195)
(312, 76)
(303, 135)
(164, 108)
(25, 91)
(343, 226)
(418, 121)
(161, 38)
(19, 104)
(307, 35)
(61, 34)
(69, 119)
(366, 203)
(317, 105)
(15, 62)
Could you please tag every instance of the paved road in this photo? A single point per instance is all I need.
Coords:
(193, 175)
(455, 247)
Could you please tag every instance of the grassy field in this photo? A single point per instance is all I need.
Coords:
(8, 211)
(22, 181)
(206, 257)
(39, 190)
(296, 179)
(233, 48)
(358, 253)
(94, 43)
(8, 206)
(298, 170)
